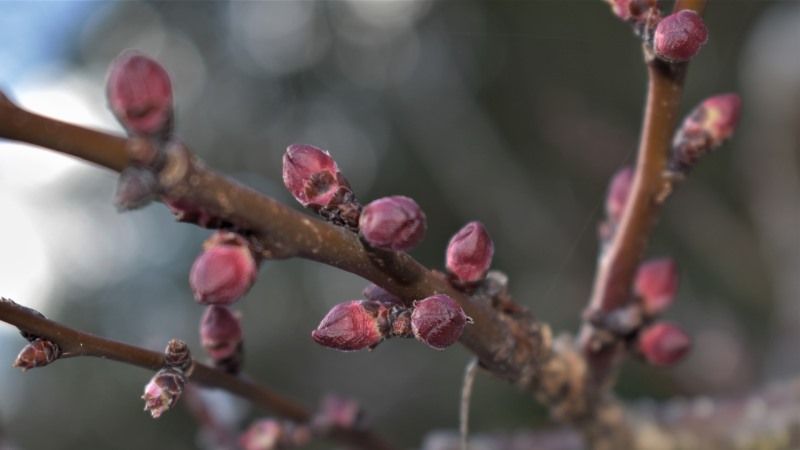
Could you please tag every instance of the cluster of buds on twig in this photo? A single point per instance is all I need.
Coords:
(38, 352)
(165, 387)
(437, 321)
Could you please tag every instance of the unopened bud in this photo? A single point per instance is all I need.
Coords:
(140, 94)
(38, 353)
(438, 321)
(656, 284)
(177, 355)
(376, 293)
(163, 391)
(710, 124)
(272, 434)
(469, 253)
(393, 223)
(350, 326)
(618, 191)
(663, 344)
(679, 36)
(337, 412)
(220, 332)
(313, 177)
(225, 271)
(136, 188)
(630, 9)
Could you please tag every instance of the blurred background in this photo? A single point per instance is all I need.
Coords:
(512, 113)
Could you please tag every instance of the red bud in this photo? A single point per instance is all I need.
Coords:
(140, 94)
(656, 284)
(438, 321)
(220, 332)
(663, 344)
(618, 191)
(312, 176)
(38, 353)
(349, 326)
(163, 391)
(225, 271)
(679, 36)
(711, 123)
(630, 9)
(393, 223)
(469, 253)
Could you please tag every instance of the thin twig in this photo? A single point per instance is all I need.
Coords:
(466, 397)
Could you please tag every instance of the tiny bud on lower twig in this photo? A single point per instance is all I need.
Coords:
(679, 36)
(656, 284)
(140, 94)
(38, 353)
(663, 344)
(163, 391)
(393, 223)
(350, 326)
(225, 271)
(177, 355)
(469, 253)
(438, 321)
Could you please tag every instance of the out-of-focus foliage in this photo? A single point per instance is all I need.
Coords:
(512, 113)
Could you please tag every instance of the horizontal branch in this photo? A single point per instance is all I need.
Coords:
(77, 343)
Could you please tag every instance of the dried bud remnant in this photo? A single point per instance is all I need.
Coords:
(163, 391)
(225, 271)
(438, 321)
(680, 36)
(393, 223)
(313, 177)
(663, 344)
(220, 332)
(656, 284)
(618, 191)
(38, 353)
(140, 94)
(350, 326)
(469, 253)
(711, 123)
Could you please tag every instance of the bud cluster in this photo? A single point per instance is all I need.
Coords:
(313, 178)
(165, 387)
(437, 321)
(710, 124)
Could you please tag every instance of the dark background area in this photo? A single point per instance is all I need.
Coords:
(511, 113)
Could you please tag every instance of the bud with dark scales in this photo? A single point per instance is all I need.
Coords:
(438, 321)
(350, 326)
(140, 95)
(136, 188)
(225, 271)
(469, 253)
(38, 353)
(656, 284)
(163, 391)
(220, 332)
(393, 223)
(679, 36)
(177, 355)
(710, 124)
(663, 344)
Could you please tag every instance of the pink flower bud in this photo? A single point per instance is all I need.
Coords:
(469, 253)
(656, 284)
(264, 434)
(438, 321)
(618, 191)
(679, 36)
(710, 124)
(630, 9)
(38, 353)
(349, 326)
(663, 344)
(225, 271)
(163, 391)
(393, 223)
(220, 332)
(140, 94)
(312, 176)
(337, 412)
(378, 294)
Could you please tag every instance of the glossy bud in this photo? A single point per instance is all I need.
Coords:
(656, 284)
(38, 353)
(710, 124)
(140, 94)
(350, 326)
(393, 223)
(438, 321)
(163, 391)
(618, 191)
(312, 176)
(220, 332)
(679, 36)
(469, 253)
(663, 344)
(225, 271)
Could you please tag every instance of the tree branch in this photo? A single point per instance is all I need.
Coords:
(77, 343)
